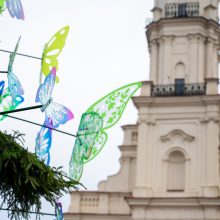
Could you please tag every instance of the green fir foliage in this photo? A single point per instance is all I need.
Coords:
(24, 179)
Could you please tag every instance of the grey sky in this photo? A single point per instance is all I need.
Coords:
(106, 48)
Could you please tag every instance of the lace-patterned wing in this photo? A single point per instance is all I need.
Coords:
(12, 56)
(99, 143)
(76, 161)
(14, 86)
(111, 106)
(52, 50)
(57, 114)
(15, 9)
(6, 102)
(90, 125)
(2, 84)
(43, 144)
(45, 89)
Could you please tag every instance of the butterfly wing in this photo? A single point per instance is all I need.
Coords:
(43, 144)
(45, 89)
(76, 161)
(90, 125)
(2, 6)
(99, 143)
(112, 106)
(15, 9)
(57, 114)
(6, 102)
(52, 50)
(2, 84)
(15, 86)
(13, 55)
(58, 211)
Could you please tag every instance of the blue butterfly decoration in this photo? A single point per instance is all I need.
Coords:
(43, 144)
(2, 84)
(58, 211)
(15, 9)
(55, 114)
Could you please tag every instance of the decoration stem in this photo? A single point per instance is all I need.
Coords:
(40, 213)
(20, 109)
(34, 123)
(3, 71)
(21, 54)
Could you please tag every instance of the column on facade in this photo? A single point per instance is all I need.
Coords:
(167, 59)
(143, 160)
(153, 61)
(193, 59)
(209, 58)
(201, 58)
(212, 144)
(160, 60)
(215, 60)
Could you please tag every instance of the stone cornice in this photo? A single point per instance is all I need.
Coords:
(147, 101)
(171, 202)
(167, 22)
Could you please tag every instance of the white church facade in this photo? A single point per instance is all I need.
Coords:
(170, 159)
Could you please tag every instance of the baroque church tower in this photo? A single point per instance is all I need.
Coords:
(170, 160)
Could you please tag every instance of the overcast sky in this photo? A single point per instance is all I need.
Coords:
(106, 48)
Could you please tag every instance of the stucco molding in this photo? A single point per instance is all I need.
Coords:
(176, 148)
(173, 133)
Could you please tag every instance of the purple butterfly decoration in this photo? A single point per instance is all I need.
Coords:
(15, 9)
(58, 211)
(55, 114)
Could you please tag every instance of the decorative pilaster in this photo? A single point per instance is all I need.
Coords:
(161, 61)
(193, 58)
(144, 159)
(168, 40)
(209, 56)
(153, 61)
(211, 161)
(201, 58)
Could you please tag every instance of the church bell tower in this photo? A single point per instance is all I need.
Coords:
(177, 164)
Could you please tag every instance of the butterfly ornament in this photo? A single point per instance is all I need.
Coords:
(14, 85)
(43, 144)
(55, 114)
(14, 7)
(91, 135)
(58, 211)
(52, 50)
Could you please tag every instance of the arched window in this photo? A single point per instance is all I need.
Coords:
(176, 171)
(180, 70)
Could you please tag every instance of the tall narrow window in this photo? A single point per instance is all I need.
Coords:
(179, 86)
(176, 171)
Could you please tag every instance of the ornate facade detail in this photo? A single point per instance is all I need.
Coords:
(179, 133)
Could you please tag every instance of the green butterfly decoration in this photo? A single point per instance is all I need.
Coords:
(91, 135)
(7, 103)
(52, 50)
(2, 4)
